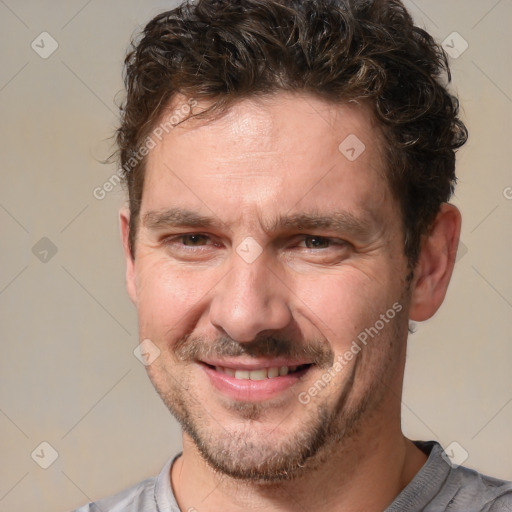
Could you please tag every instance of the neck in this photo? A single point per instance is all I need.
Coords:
(380, 459)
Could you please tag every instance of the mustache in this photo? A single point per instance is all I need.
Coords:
(192, 348)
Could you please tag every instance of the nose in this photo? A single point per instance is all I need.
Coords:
(250, 299)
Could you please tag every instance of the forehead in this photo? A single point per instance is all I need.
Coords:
(286, 152)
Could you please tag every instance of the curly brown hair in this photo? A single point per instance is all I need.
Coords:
(337, 50)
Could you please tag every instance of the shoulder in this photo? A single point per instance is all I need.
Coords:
(151, 495)
(465, 489)
(139, 497)
(441, 485)
(471, 487)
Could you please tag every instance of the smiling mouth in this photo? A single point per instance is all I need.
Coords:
(260, 373)
(246, 380)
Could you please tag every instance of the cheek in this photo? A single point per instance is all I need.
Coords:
(168, 296)
(342, 306)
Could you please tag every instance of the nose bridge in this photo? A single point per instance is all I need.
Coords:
(250, 299)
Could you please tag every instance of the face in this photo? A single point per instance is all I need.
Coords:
(270, 274)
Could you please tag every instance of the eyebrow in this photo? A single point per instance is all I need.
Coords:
(339, 221)
(176, 217)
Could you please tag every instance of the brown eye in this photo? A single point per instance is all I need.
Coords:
(194, 240)
(317, 242)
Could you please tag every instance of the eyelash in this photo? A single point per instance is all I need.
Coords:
(333, 242)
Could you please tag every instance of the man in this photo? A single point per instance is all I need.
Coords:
(289, 165)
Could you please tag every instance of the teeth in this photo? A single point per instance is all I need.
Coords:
(258, 374)
(261, 374)
(273, 372)
(242, 374)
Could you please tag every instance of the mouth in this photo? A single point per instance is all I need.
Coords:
(259, 374)
(254, 382)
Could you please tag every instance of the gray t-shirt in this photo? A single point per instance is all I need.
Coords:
(437, 487)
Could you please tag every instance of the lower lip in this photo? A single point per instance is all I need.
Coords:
(252, 390)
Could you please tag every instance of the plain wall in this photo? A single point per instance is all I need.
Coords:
(68, 330)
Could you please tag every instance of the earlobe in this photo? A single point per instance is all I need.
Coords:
(435, 264)
(124, 224)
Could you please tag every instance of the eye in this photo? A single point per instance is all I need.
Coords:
(319, 242)
(187, 241)
(193, 240)
(316, 242)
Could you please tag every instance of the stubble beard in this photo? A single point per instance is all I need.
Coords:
(244, 454)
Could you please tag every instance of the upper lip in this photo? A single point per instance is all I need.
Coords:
(253, 363)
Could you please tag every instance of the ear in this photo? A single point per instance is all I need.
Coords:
(124, 222)
(435, 264)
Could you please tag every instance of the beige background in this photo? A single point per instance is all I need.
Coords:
(68, 330)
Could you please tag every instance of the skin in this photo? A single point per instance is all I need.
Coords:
(197, 298)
